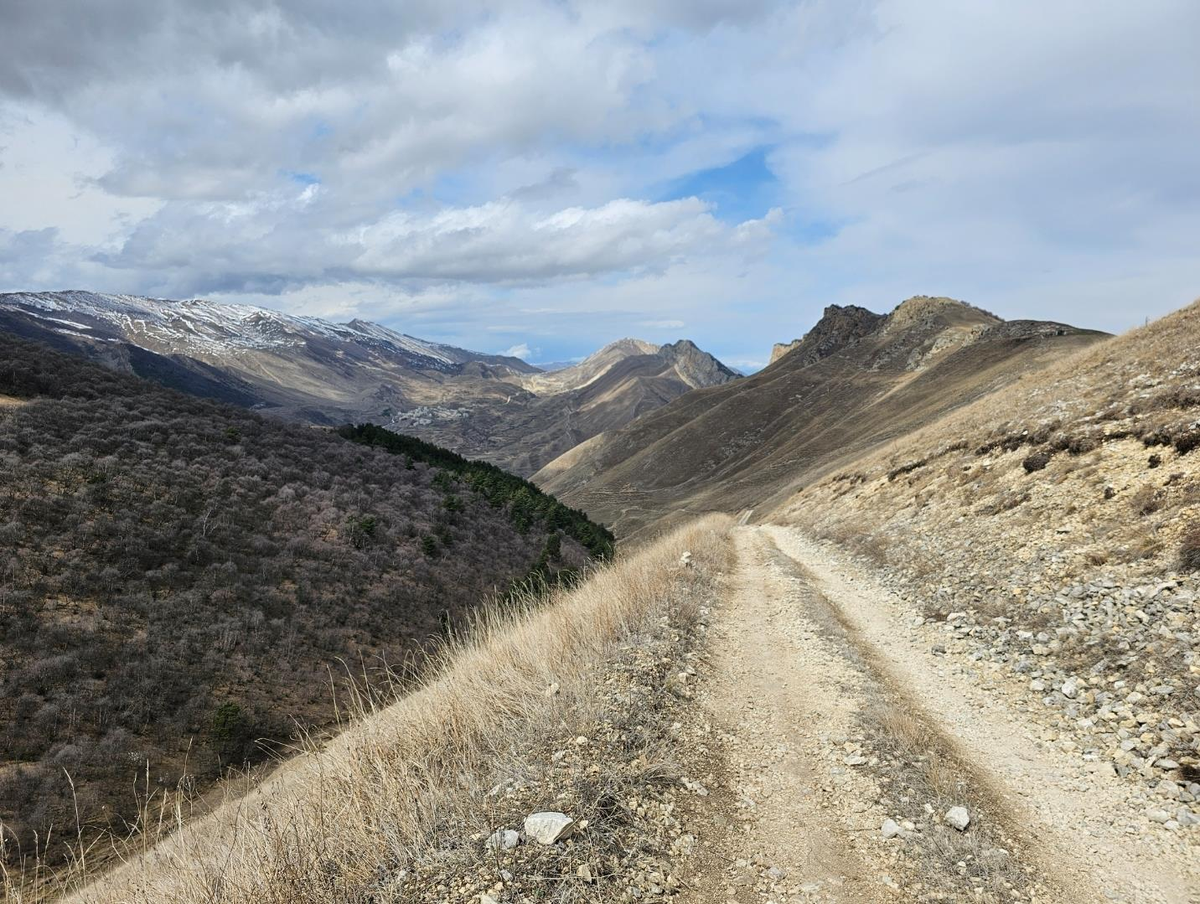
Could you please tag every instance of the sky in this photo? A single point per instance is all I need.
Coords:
(541, 177)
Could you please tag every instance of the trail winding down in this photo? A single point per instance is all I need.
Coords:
(838, 726)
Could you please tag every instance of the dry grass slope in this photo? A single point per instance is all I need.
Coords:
(1053, 529)
(395, 807)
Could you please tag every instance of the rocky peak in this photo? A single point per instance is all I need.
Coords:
(695, 366)
(838, 327)
(926, 308)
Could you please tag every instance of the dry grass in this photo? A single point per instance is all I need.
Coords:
(920, 769)
(410, 779)
(1050, 450)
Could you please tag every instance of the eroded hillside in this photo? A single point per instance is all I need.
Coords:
(856, 381)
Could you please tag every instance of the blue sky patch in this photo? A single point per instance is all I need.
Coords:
(742, 190)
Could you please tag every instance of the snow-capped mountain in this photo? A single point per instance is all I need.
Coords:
(209, 329)
(304, 368)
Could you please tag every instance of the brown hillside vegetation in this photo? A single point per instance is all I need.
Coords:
(181, 581)
(1052, 530)
(855, 381)
(562, 707)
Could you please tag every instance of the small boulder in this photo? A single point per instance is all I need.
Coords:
(891, 829)
(549, 828)
(503, 840)
(958, 817)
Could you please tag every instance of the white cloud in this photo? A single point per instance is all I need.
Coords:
(518, 351)
(449, 166)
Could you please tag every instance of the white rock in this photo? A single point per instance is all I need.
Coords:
(891, 829)
(686, 560)
(958, 817)
(503, 840)
(485, 898)
(1070, 687)
(548, 828)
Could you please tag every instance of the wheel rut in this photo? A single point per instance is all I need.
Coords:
(829, 723)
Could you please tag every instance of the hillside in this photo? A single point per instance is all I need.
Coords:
(1074, 496)
(182, 580)
(855, 381)
(560, 707)
(614, 387)
(303, 368)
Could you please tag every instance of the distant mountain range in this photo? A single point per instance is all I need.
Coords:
(855, 381)
(493, 407)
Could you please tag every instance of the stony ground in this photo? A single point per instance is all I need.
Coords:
(822, 732)
(593, 814)
(846, 734)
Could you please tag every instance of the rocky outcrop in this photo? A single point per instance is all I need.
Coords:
(694, 366)
(838, 327)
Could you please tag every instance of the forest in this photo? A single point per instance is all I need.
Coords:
(183, 582)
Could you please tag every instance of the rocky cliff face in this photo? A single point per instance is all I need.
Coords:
(838, 327)
(695, 367)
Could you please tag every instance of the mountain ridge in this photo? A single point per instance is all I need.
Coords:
(855, 380)
(494, 407)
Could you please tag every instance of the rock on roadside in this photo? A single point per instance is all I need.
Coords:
(549, 828)
(503, 840)
(958, 817)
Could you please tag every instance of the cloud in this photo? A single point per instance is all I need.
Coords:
(518, 351)
(579, 170)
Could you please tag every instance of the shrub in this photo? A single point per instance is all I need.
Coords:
(1146, 501)
(232, 732)
(907, 468)
(1037, 461)
(1154, 461)
(360, 530)
(1078, 445)
(1189, 549)
(1186, 442)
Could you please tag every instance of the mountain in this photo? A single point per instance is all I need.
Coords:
(182, 579)
(492, 407)
(552, 413)
(854, 381)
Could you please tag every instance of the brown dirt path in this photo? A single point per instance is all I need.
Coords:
(1076, 816)
(830, 717)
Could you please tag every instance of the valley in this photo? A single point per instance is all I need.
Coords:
(580, 452)
(856, 382)
(908, 615)
(491, 407)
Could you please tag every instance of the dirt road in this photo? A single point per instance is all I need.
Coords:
(847, 748)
